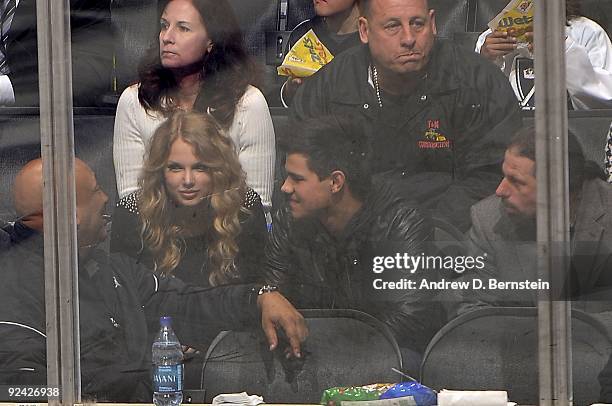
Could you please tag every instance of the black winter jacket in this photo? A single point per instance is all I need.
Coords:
(315, 269)
(443, 146)
(120, 304)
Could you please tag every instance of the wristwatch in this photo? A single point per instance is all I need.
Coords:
(257, 291)
(267, 289)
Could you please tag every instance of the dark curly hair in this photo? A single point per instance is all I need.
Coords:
(227, 69)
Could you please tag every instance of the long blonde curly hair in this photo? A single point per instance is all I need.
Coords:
(160, 232)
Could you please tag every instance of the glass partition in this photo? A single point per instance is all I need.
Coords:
(410, 195)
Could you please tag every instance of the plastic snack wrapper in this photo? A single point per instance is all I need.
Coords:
(516, 19)
(423, 396)
(379, 393)
(335, 396)
(306, 57)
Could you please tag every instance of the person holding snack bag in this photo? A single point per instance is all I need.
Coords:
(512, 28)
(334, 27)
(509, 43)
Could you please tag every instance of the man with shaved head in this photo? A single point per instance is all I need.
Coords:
(440, 117)
(90, 201)
(27, 202)
(119, 302)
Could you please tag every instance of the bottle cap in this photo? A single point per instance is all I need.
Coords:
(165, 321)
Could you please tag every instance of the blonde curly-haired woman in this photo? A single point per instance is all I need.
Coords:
(193, 215)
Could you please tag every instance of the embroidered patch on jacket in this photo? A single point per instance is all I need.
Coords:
(433, 139)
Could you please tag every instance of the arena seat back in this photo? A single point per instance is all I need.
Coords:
(338, 341)
(451, 16)
(483, 11)
(258, 16)
(496, 349)
(20, 143)
(591, 128)
(135, 26)
(20, 372)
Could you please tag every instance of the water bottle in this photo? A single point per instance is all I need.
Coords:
(167, 366)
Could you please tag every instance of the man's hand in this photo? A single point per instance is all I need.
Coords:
(529, 35)
(277, 311)
(289, 89)
(497, 44)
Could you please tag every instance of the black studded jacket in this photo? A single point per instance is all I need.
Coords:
(193, 267)
(315, 269)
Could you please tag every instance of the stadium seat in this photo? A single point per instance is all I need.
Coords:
(20, 143)
(483, 11)
(135, 27)
(451, 16)
(496, 349)
(338, 341)
(466, 40)
(590, 127)
(18, 371)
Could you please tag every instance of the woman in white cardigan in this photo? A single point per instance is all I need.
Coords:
(200, 64)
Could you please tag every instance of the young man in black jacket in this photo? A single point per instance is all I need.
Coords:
(120, 302)
(325, 248)
(441, 117)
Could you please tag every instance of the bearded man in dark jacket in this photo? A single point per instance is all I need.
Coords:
(323, 246)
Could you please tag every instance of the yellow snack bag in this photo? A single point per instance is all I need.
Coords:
(306, 57)
(516, 19)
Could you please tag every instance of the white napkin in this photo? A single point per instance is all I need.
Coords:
(472, 398)
(237, 399)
